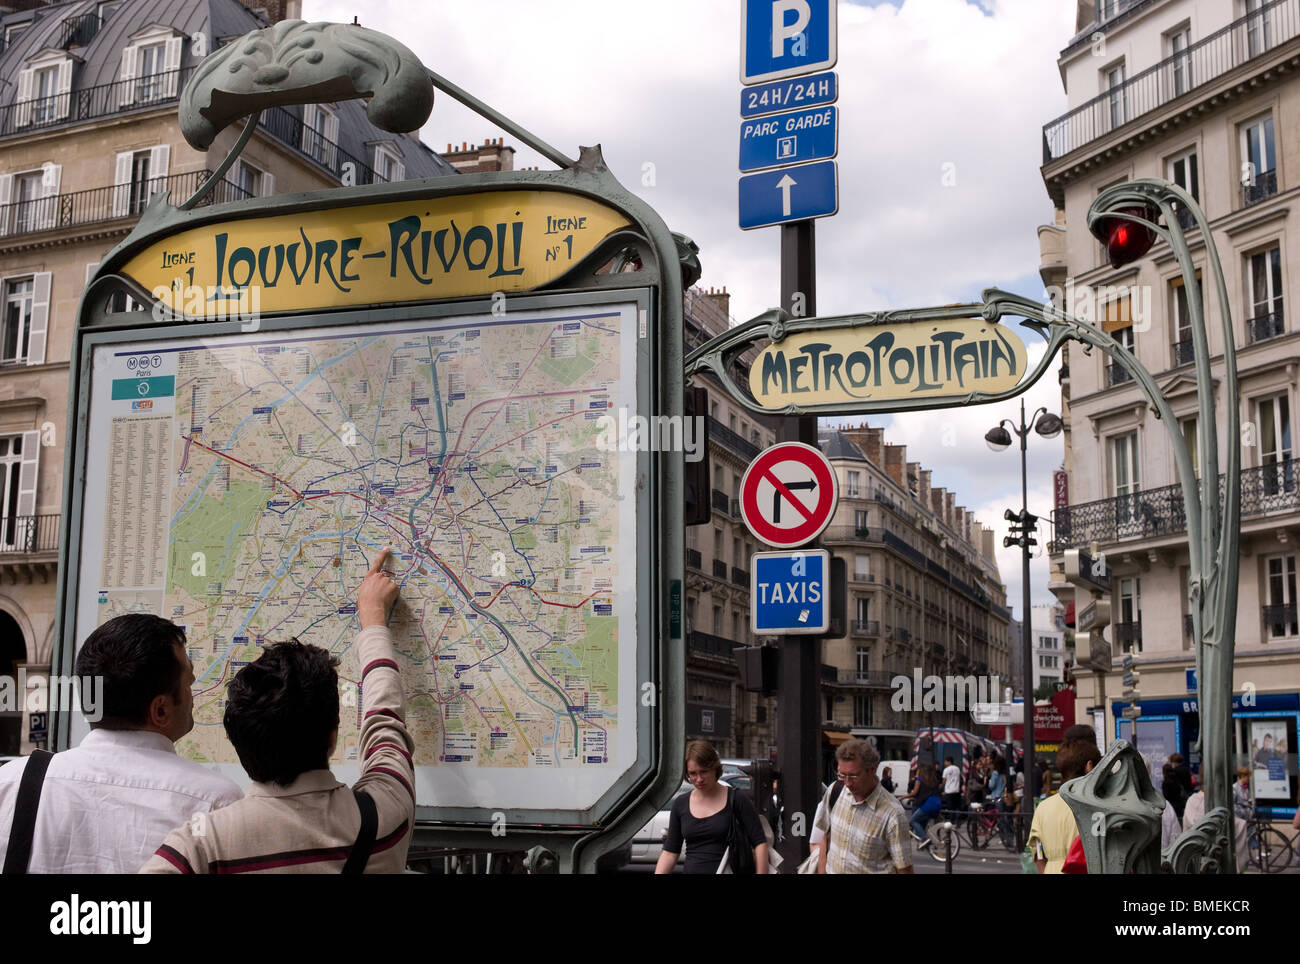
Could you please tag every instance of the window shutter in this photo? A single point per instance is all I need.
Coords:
(268, 184)
(40, 322)
(1119, 315)
(399, 171)
(64, 102)
(331, 133)
(27, 473)
(23, 105)
(126, 76)
(159, 158)
(122, 185)
(91, 268)
(376, 161)
(6, 194)
(47, 214)
(171, 65)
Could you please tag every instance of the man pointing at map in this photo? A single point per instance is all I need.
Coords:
(282, 716)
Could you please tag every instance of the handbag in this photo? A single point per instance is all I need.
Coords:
(738, 858)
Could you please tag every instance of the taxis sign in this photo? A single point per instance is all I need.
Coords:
(411, 250)
(936, 360)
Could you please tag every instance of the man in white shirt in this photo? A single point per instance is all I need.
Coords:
(952, 786)
(106, 805)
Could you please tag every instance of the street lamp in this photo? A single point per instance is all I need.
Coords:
(998, 439)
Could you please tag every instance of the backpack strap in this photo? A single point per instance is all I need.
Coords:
(365, 842)
(836, 789)
(23, 830)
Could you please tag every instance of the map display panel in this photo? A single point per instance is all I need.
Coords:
(247, 480)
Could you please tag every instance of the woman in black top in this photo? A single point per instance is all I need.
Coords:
(702, 818)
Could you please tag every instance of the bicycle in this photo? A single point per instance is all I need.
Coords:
(1267, 848)
(940, 835)
(982, 825)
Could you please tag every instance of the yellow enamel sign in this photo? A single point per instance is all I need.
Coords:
(912, 360)
(414, 250)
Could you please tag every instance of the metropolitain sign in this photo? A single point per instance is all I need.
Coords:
(936, 360)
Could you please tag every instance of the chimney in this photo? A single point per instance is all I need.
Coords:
(491, 155)
(949, 510)
(986, 543)
(276, 10)
(721, 300)
(895, 460)
(913, 477)
(936, 503)
(923, 488)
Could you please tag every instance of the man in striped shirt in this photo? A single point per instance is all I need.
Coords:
(866, 828)
(282, 716)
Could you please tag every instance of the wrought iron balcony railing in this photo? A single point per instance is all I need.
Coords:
(1127, 633)
(740, 576)
(29, 533)
(721, 501)
(732, 440)
(1116, 375)
(1281, 620)
(863, 677)
(1183, 353)
(711, 645)
(1265, 489)
(1258, 32)
(111, 203)
(160, 90)
(865, 627)
(1262, 187)
(1264, 327)
(848, 534)
(694, 560)
(1187, 625)
(719, 569)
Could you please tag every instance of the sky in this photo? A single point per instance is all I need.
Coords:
(941, 103)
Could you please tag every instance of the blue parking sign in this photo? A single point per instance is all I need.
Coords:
(785, 38)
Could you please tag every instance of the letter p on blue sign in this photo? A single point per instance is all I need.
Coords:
(785, 38)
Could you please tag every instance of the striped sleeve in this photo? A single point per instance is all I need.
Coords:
(387, 768)
(179, 854)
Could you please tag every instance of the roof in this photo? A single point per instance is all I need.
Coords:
(221, 20)
(835, 445)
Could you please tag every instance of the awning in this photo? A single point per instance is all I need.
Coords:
(836, 737)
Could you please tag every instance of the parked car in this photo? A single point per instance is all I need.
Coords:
(898, 773)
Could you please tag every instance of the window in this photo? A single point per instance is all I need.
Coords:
(43, 90)
(1129, 632)
(717, 620)
(1188, 425)
(23, 324)
(151, 67)
(1280, 610)
(863, 609)
(26, 202)
(854, 487)
(717, 543)
(1118, 99)
(45, 93)
(731, 422)
(389, 167)
(860, 523)
(1258, 28)
(1264, 282)
(861, 566)
(1180, 321)
(137, 176)
(1180, 71)
(1182, 170)
(861, 710)
(18, 463)
(864, 663)
(1125, 477)
(1117, 321)
(736, 636)
(1273, 415)
(252, 180)
(736, 559)
(1258, 160)
(320, 133)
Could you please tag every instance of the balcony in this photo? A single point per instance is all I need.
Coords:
(694, 560)
(721, 502)
(1127, 634)
(847, 534)
(1183, 353)
(1117, 375)
(875, 678)
(79, 31)
(29, 534)
(1263, 327)
(710, 645)
(1187, 625)
(1280, 620)
(1265, 490)
(161, 90)
(861, 576)
(902, 635)
(740, 576)
(1260, 31)
(111, 203)
(732, 440)
(1263, 186)
(719, 569)
(865, 627)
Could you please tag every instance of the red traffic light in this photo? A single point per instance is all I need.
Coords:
(1126, 240)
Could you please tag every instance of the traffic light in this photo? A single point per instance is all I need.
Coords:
(695, 477)
(1126, 240)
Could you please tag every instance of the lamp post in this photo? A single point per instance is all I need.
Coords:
(999, 439)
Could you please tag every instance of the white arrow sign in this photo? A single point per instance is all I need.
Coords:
(785, 184)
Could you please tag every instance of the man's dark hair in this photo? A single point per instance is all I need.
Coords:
(1072, 758)
(280, 711)
(1079, 731)
(135, 656)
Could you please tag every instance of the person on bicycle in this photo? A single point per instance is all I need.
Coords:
(926, 802)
